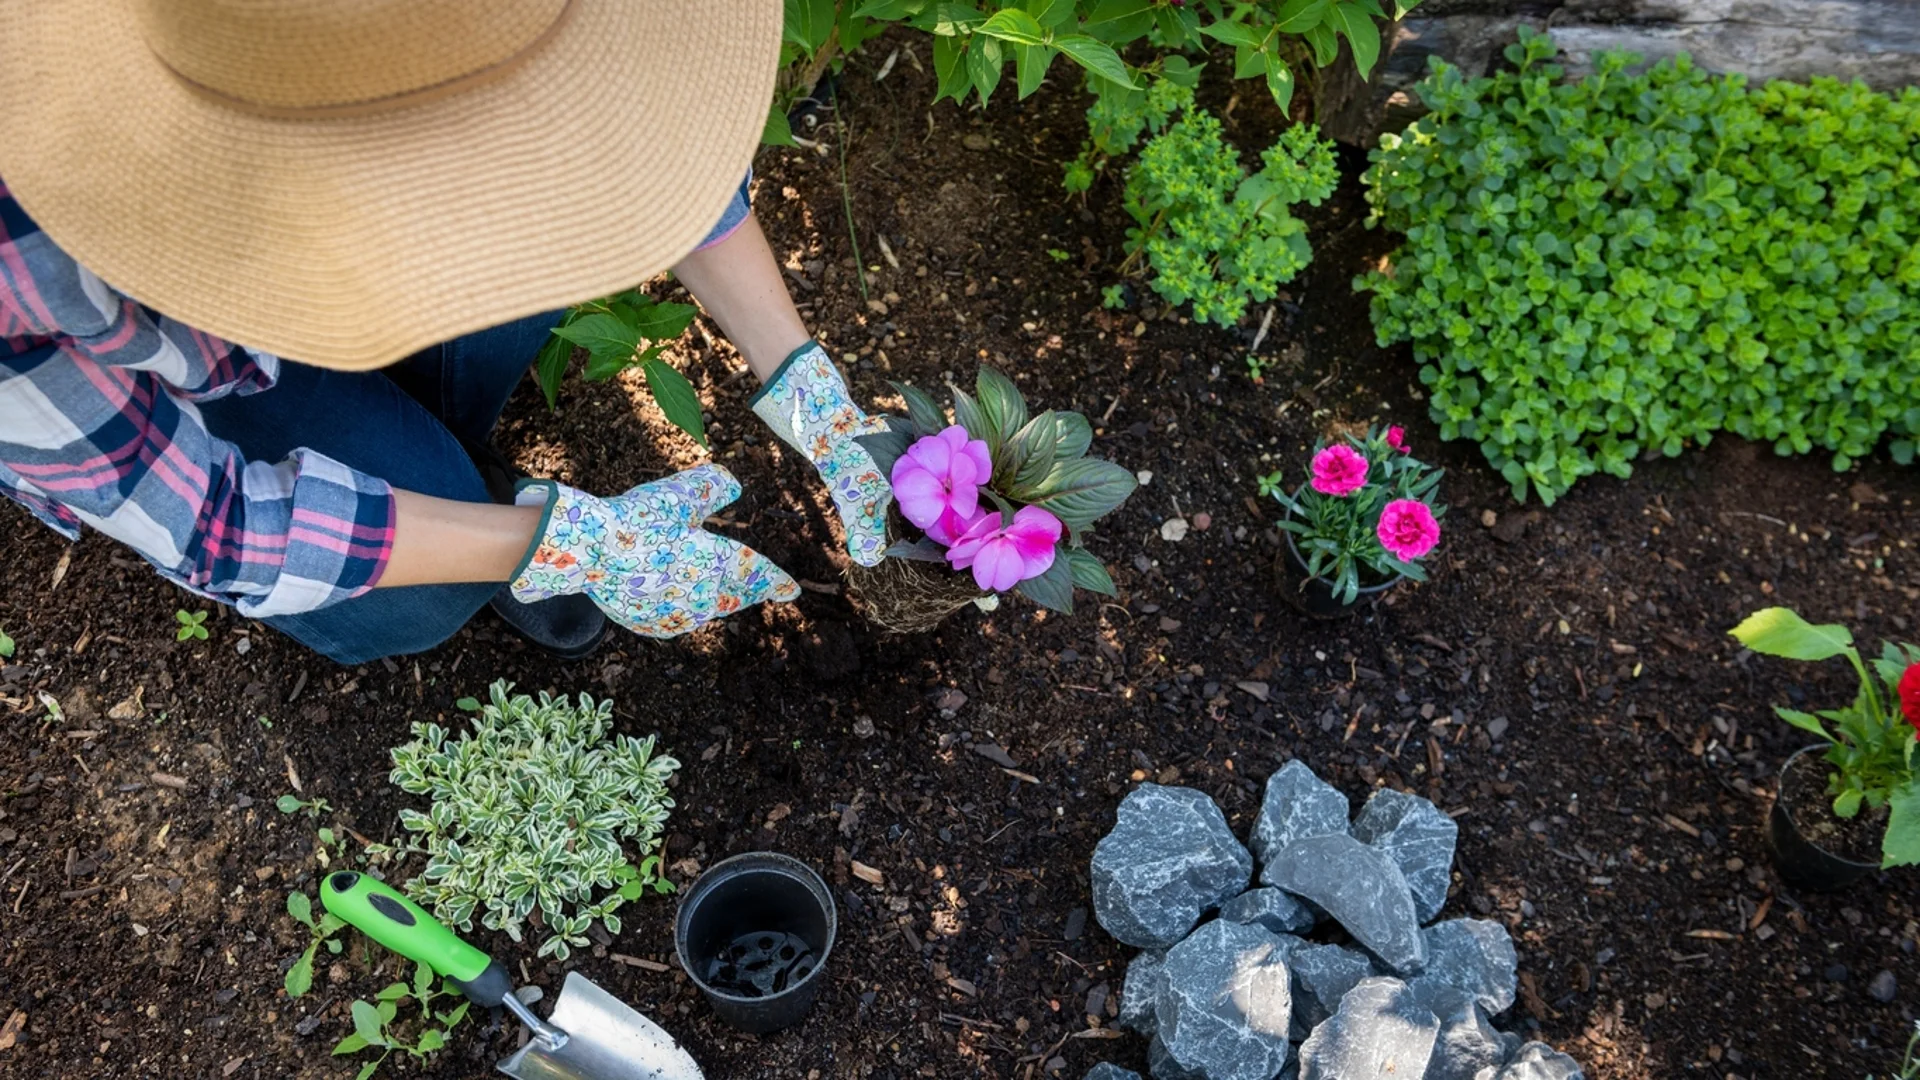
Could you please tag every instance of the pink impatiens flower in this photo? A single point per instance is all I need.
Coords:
(937, 482)
(1397, 438)
(1339, 470)
(1407, 529)
(1004, 557)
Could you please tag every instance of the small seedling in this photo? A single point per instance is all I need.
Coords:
(375, 1022)
(193, 626)
(6, 646)
(1113, 296)
(293, 804)
(635, 881)
(265, 723)
(1257, 368)
(300, 976)
(1270, 484)
(1057, 255)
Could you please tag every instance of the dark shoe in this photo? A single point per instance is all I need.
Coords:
(569, 627)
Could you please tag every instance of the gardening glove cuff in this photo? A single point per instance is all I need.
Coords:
(642, 556)
(806, 403)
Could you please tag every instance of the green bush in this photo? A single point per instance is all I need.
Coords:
(1635, 262)
(534, 807)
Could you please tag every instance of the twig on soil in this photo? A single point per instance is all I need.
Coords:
(1260, 335)
(1763, 517)
(24, 886)
(299, 684)
(968, 1021)
(1111, 405)
(846, 205)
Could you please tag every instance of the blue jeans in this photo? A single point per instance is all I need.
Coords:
(404, 424)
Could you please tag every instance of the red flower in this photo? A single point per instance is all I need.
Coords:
(1910, 695)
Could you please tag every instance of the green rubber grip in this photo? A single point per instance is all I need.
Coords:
(378, 910)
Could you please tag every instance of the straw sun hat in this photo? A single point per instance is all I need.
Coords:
(344, 182)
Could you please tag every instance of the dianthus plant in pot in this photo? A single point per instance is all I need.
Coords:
(993, 500)
(1849, 803)
(1359, 524)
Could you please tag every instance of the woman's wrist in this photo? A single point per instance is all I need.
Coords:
(444, 542)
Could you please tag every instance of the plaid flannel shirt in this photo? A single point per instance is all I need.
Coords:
(98, 427)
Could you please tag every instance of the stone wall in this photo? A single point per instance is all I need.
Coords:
(1874, 40)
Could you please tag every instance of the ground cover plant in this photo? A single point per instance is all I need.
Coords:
(1001, 493)
(1633, 263)
(1872, 742)
(1365, 513)
(539, 806)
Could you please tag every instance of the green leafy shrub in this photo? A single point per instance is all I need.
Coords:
(1635, 262)
(1213, 234)
(626, 330)
(534, 807)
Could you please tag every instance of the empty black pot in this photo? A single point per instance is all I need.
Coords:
(753, 933)
(1803, 863)
(1314, 596)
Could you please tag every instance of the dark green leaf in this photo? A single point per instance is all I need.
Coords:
(1803, 721)
(676, 397)
(1097, 58)
(808, 22)
(352, 1044)
(1362, 35)
(1076, 436)
(1081, 492)
(1901, 845)
(887, 447)
(922, 550)
(467, 704)
(659, 321)
(1030, 64)
(968, 415)
(950, 64)
(1001, 404)
(1234, 33)
(366, 1071)
(1299, 16)
(926, 416)
(984, 64)
(1279, 81)
(1031, 452)
(1118, 21)
(550, 367)
(1326, 44)
(1847, 803)
(1051, 14)
(999, 501)
(1051, 589)
(1088, 572)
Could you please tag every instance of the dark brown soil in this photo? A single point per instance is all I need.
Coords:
(1804, 792)
(1564, 685)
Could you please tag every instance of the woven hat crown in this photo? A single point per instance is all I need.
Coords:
(321, 54)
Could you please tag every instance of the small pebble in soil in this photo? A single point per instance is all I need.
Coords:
(1883, 987)
(1222, 1004)
(1361, 889)
(1107, 1070)
(1380, 1032)
(1297, 805)
(1418, 837)
(1169, 860)
(1835, 973)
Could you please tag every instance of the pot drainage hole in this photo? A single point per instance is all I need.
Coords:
(760, 964)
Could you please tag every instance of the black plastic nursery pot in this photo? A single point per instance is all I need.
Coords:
(1314, 596)
(1803, 863)
(753, 934)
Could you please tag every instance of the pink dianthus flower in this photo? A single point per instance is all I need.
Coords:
(1407, 529)
(1339, 470)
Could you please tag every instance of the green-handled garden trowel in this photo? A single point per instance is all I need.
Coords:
(591, 1035)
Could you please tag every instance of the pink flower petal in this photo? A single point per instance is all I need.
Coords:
(998, 566)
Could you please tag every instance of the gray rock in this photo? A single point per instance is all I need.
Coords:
(1223, 1005)
(1161, 1065)
(1271, 908)
(1361, 888)
(1536, 1061)
(1169, 860)
(1137, 991)
(1468, 1043)
(1380, 1031)
(1420, 840)
(1883, 987)
(1297, 805)
(1468, 961)
(1107, 1070)
(1322, 975)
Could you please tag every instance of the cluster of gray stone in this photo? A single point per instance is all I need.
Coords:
(1246, 996)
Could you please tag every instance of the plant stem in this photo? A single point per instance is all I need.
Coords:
(846, 204)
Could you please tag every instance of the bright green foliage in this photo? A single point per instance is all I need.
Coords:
(192, 626)
(1871, 744)
(1214, 235)
(535, 806)
(630, 329)
(6, 646)
(377, 1024)
(1636, 262)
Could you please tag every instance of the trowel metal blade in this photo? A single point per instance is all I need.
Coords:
(606, 1040)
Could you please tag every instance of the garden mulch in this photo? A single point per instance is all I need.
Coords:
(1564, 686)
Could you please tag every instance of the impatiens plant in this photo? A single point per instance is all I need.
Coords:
(1366, 509)
(1871, 744)
(1003, 494)
(540, 805)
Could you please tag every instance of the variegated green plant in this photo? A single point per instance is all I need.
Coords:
(539, 805)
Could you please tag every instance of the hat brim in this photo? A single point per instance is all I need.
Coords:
(349, 243)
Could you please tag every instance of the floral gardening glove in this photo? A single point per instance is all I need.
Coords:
(807, 405)
(643, 557)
